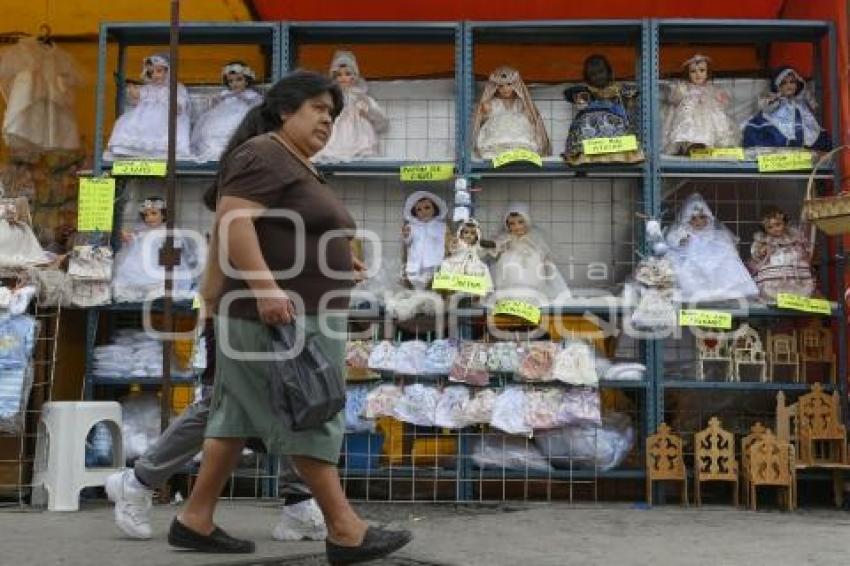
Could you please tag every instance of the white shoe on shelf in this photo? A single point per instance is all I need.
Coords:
(301, 521)
(132, 503)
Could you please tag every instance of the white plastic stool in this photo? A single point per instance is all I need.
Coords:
(60, 463)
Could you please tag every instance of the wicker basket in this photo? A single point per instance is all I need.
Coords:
(830, 214)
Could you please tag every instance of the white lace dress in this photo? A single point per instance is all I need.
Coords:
(524, 266)
(213, 129)
(142, 130)
(139, 276)
(355, 133)
(696, 114)
(506, 128)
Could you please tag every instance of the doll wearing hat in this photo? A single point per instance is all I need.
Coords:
(426, 238)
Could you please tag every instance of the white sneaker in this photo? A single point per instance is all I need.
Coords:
(132, 503)
(301, 521)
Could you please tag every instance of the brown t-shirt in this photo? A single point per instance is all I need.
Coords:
(264, 171)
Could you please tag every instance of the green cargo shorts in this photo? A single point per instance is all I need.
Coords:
(241, 402)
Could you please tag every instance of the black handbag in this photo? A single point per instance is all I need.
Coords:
(306, 389)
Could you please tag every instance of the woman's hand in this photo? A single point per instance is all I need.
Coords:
(275, 307)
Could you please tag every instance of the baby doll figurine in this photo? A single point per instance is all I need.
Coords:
(523, 260)
(781, 257)
(213, 129)
(786, 116)
(356, 129)
(465, 253)
(606, 109)
(705, 256)
(696, 115)
(139, 275)
(142, 129)
(425, 236)
(506, 117)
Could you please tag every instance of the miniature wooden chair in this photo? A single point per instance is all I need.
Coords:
(782, 352)
(747, 351)
(816, 347)
(664, 461)
(822, 438)
(714, 458)
(713, 348)
(770, 462)
(756, 432)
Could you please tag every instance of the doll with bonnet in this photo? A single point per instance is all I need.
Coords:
(465, 253)
(705, 258)
(425, 236)
(786, 116)
(524, 262)
(781, 257)
(356, 129)
(213, 129)
(696, 113)
(506, 117)
(142, 130)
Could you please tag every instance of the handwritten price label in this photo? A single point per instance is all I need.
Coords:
(428, 172)
(785, 161)
(95, 208)
(705, 319)
(519, 309)
(139, 168)
(805, 304)
(516, 155)
(596, 146)
(472, 284)
(730, 153)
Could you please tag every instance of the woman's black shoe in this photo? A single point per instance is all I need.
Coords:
(218, 541)
(377, 543)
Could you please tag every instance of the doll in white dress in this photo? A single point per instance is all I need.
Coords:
(142, 130)
(425, 236)
(506, 117)
(696, 113)
(781, 258)
(18, 245)
(705, 256)
(356, 129)
(465, 254)
(215, 126)
(139, 276)
(524, 264)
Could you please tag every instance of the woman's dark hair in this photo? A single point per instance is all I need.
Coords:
(284, 97)
(595, 63)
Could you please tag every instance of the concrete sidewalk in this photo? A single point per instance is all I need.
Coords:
(528, 535)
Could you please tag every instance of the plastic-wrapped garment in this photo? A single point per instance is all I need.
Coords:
(17, 340)
(410, 357)
(538, 361)
(92, 263)
(356, 399)
(504, 357)
(356, 129)
(417, 405)
(357, 354)
(470, 365)
(213, 129)
(382, 357)
(37, 81)
(15, 386)
(141, 131)
(425, 242)
(18, 245)
(575, 364)
(16, 301)
(381, 401)
(580, 405)
(625, 371)
(697, 114)
(479, 409)
(705, 257)
(90, 293)
(542, 408)
(602, 446)
(509, 411)
(524, 264)
(504, 123)
(139, 276)
(140, 427)
(781, 264)
(450, 407)
(508, 452)
(439, 357)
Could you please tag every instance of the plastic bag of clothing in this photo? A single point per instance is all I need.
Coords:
(508, 452)
(575, 364)
(140, 428)
(355, 410)
(15, 387)
(417, 405)
(509, 412)
(380, 402)
(382, 357)
(479, 409)
(580, 405)
(357, 360)
(504, 357)
(602, 446)
(450, 407)
(410, 357)
(537, 363)
(542, 408)
(439, 357)
(470, 364)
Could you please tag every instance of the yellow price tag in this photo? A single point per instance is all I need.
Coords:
(96, 205)
(196, 303)
(472, 284)
(805, 304)
(442, 281)
(428, 172)
(514, 155)
(140, 168)
(785, 161)
(731, 153)
(519, 309)
(706, 319)
(595, 146)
